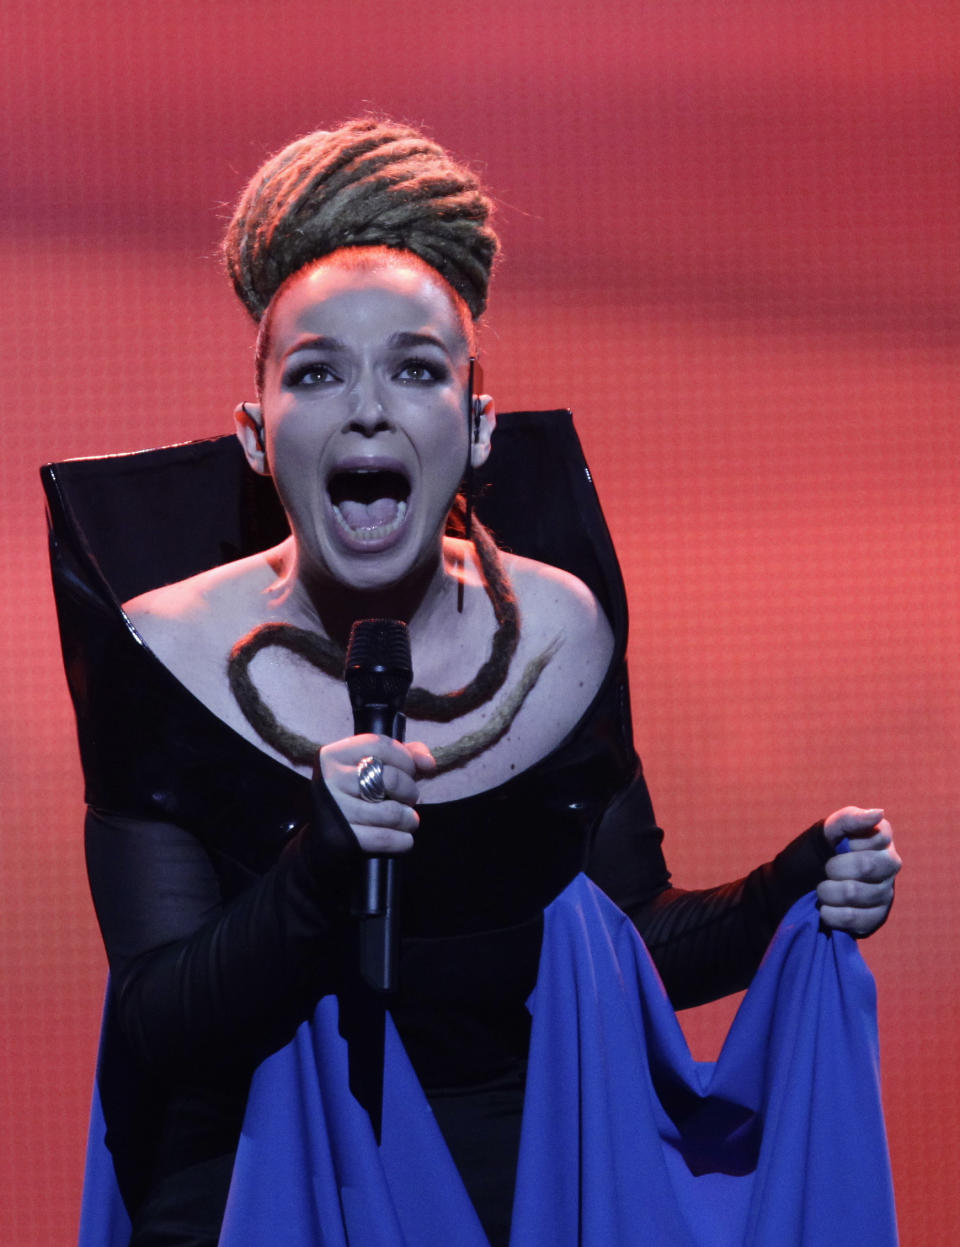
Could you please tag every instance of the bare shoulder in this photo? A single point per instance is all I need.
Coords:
(184, 621)
(557, 606)
(554, 596)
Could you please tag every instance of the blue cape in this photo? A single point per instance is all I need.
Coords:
(626, 1140)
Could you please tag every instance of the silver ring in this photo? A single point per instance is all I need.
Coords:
(370, 779)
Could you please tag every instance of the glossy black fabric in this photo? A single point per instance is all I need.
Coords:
(219, 874)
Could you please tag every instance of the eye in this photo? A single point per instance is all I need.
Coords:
(310, 373)
(421, 372)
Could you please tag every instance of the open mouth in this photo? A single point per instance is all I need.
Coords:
(369, 504)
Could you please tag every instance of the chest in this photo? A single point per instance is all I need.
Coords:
(286, 705)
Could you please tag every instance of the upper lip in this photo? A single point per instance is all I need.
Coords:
(369, 463)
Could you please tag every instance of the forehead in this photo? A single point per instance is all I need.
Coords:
(365, 303)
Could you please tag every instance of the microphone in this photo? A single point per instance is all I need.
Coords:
(378, 674)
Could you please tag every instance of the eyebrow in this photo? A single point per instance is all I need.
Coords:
(321, 342)
(396, 342)
(399, 341)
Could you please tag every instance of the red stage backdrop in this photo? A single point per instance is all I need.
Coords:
(730, 244)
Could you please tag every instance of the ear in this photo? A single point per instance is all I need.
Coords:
(248, 417)
(480, 447)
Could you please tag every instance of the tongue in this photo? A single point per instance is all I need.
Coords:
(368, 514)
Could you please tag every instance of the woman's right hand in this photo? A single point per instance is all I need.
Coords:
(381, 827)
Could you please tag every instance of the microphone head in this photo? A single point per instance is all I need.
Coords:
(378, 669)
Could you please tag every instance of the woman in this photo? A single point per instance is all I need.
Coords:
(364, 254)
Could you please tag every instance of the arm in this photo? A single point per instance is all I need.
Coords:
(206, 984)
(708, 942)
(201, 983)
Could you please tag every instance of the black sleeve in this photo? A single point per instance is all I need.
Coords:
(705, 943)
(203, 985)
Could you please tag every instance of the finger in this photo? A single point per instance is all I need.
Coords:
(384, 841)
(855, 894)
(389, 751)
(858, 891)
(869, 866)
(391, 814)
(853, 818)
(397, 785)
(423, 759)
(339, 761)
(850, 819)
(856, 922)
(401, 787)
(879, 840)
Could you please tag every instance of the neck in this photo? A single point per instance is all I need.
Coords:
(324, 653)
(320, 604)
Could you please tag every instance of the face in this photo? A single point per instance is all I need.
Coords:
(363, 417)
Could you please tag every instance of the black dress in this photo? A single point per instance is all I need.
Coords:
(219, 875)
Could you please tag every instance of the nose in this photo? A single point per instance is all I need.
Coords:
(368, 414)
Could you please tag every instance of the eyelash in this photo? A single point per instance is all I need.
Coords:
(297, 376)
(435, 371)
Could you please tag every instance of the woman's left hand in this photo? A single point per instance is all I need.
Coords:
(858, 891)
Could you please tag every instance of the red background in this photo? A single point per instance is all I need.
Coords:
(731, 245)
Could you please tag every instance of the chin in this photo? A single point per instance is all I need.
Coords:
(384, 570)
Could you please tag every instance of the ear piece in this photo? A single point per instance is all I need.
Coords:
(257, 430)
(474, 414)
(477, 409)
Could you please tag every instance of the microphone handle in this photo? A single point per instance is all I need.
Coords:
(378, 935)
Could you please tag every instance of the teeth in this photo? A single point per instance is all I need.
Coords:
(376, 531)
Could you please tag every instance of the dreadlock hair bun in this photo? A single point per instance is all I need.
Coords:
(370, 183)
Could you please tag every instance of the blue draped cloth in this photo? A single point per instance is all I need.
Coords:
(626, 1140)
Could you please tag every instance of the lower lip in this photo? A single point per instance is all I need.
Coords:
(371, 540)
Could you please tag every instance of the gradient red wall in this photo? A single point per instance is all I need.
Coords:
(731, 245)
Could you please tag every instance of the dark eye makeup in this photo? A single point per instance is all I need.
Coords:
(411, 370)
(309, 373)
(419, 371)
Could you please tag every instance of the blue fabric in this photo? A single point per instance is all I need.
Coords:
(103, 1218)
(781, 1141)
(626, 1139)
(308, 1168)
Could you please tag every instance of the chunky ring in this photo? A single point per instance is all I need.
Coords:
(370, 779)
